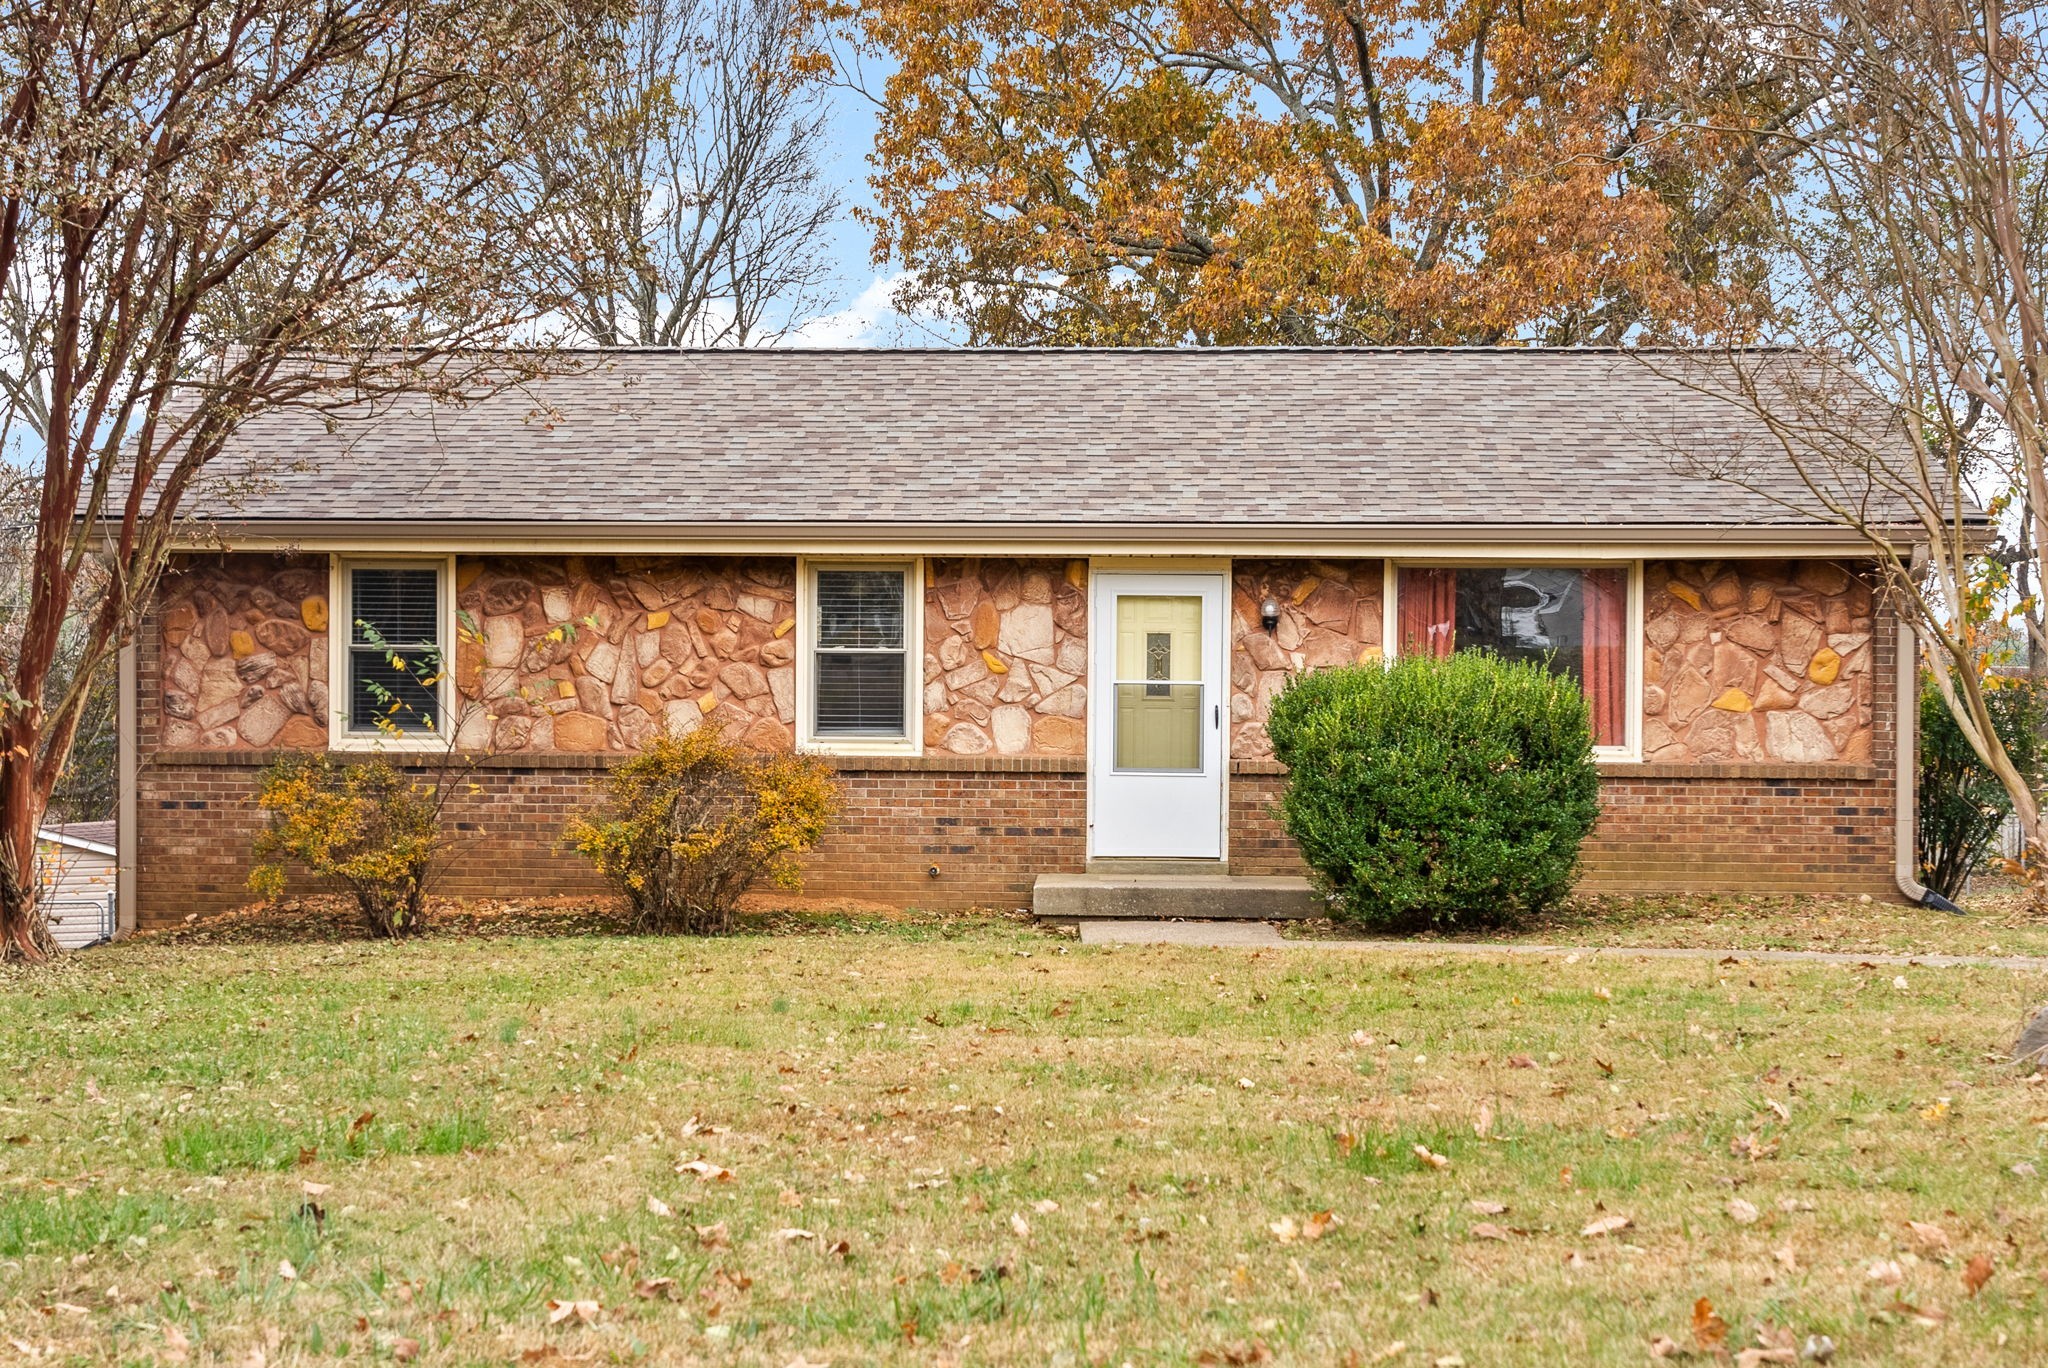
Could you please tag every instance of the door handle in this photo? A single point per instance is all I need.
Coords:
(1219, 714)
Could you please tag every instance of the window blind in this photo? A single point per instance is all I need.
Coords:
(394, 649)
(860, 656)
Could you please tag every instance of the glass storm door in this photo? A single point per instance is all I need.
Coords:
(1156, 745)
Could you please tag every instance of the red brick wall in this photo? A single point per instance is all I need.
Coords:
(990, 825)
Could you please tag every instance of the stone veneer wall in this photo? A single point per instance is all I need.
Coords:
(1330, 614)
(601, 653)
(1006, 657)
(244, 653)
(1757, 660)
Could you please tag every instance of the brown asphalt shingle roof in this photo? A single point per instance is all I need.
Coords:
(1306, 437)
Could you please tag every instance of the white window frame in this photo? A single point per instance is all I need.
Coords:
(912, 741)
(1631, 751)
(341, 626)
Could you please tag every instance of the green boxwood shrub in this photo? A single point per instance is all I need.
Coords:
(1437, 793)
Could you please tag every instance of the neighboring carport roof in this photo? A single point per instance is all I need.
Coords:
(1165, 438)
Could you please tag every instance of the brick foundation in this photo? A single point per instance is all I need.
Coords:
(991, 825)
(1777, 829)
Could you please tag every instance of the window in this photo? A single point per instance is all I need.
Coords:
(860, 652)
(395, 673)
(1574, 620)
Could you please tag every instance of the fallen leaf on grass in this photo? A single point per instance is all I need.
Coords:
(1929, 1237)
(1886, 1271)
(1019, 1225)
(405, 1350)
(1045, 1206)
(1483, 1125)
(1606, 1225)
(647, 1289)
(1487, 1230)
(584, 1312)
(1742, 1212)
(1774, 1344)
(1919, 1315)
(1709, 1331)
(1486, 1208)
(695, 1127)
(1313, 1227)
(789, 1233)
(286, 1271)
(657, 1207)
(789, 1197)
(706, 1171)
(1977, 1272)
(713, 1236)
(312, 1189)
(1431, 1158)
(1664, 1347)
(1236, 1355)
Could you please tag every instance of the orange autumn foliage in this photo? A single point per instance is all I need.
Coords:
(1118, 172)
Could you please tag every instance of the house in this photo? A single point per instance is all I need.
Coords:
(1031, 604)
(75, 881)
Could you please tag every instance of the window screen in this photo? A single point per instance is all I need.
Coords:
(394, 649)
(860, 655)
(1573, 621)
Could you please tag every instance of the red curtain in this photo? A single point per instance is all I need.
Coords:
(1605, 662)
(1428, 611)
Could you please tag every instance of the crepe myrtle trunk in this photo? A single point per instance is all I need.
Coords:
(23, 928)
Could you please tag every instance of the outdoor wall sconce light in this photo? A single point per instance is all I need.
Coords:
(1269, 614)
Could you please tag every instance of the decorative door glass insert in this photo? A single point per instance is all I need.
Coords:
(1159, 687)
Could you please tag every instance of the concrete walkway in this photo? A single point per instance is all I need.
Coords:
(1264, 934)
(1111, 931)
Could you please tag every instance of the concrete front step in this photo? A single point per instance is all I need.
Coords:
(1139, 897)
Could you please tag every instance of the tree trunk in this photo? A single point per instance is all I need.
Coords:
(24, 932)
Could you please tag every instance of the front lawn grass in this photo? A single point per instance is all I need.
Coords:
(980, 1144)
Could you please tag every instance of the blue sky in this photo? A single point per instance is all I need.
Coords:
(862, 316)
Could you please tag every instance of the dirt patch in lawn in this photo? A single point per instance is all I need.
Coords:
(333, 918)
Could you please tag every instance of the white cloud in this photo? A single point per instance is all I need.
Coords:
(870, 321)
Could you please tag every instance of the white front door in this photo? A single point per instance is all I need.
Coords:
(1156, 699)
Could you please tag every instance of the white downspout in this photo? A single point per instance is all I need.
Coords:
(1906, 757)
(126, 835)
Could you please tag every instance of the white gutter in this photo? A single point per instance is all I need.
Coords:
(1446, 543)
(64, 838)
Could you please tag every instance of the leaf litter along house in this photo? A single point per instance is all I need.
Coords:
(1033, 605)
